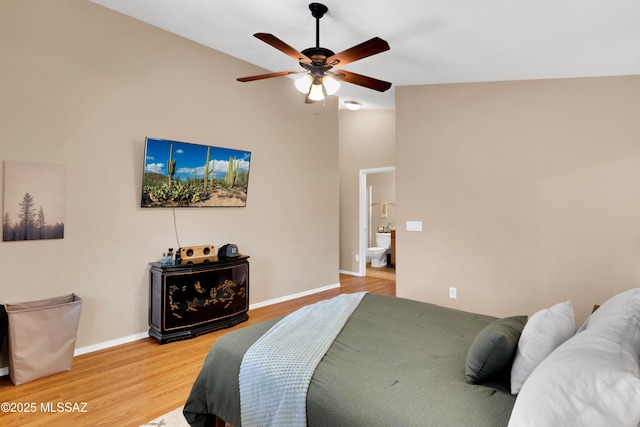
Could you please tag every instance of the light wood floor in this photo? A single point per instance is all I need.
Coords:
(381, 272)
(133, 383)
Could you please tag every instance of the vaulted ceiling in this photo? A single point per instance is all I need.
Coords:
(432, 41)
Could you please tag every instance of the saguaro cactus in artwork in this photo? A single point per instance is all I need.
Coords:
(171, 164)
(208, 171)
(232, 172)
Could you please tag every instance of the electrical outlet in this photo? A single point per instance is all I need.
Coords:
(453, 293)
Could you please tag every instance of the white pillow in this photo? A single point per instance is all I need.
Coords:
(542, 334)
(593, 379)
(616, 311)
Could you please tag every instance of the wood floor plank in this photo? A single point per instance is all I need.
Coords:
(133, 383)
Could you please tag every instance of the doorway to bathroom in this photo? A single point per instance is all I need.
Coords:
(377, 213)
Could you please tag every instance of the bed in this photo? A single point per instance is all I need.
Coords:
(408, 363)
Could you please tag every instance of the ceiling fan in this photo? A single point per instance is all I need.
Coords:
(319, 79)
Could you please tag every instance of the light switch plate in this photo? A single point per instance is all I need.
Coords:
(414, 225)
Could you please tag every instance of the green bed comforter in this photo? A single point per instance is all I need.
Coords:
(396, 362)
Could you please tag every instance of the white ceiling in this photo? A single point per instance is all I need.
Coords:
(432, 41)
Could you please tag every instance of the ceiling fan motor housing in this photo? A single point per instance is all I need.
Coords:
(318, 10)
(317, 55)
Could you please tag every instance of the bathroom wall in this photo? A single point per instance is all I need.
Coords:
(383, 189)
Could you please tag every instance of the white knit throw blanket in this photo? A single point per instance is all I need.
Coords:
(276, 370)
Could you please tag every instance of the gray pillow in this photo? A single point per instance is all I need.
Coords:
(494, 348)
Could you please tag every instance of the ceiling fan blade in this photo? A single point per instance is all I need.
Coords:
(363, 50)
(267, 76)
(272, 40)
(360, 80)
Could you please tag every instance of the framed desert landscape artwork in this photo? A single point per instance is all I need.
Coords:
(33, 201)
(181, 174)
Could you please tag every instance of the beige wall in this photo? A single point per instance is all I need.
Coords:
(367, 140)
(82, 86)
(529, 193)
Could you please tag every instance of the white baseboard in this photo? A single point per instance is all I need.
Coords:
(351, 273)
(294, 296)
(112, 343)
(142, 335)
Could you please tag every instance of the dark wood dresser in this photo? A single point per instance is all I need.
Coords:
(194, 299)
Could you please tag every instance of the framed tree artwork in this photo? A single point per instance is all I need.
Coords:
(33, 201)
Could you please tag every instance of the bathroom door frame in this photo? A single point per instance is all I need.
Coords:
(363, 226)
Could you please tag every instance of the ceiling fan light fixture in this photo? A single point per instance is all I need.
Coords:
(331, 85)
(316, 93)
(319, 81)
(352, 105)
(303, 84)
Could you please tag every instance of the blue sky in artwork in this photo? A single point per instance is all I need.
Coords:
(191, 158)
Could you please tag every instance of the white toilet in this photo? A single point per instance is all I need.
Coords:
(378, 254)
